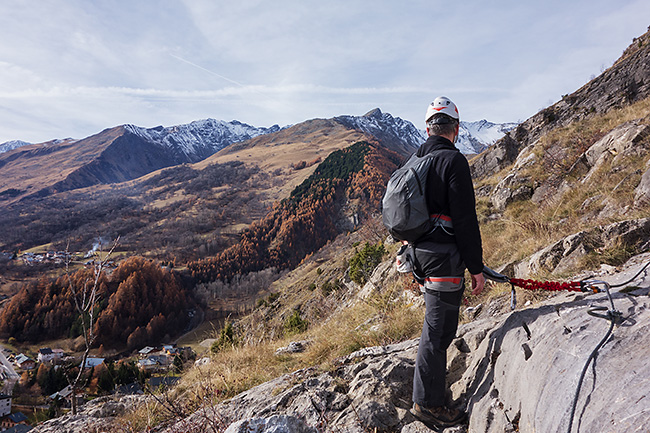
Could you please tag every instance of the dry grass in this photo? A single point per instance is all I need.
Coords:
(384, 317)
(521, 231)
(526, 227)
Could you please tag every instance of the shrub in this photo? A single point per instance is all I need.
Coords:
(268, 301)
(328, 287)
(295, 324)
(226, 338)
(365, 261)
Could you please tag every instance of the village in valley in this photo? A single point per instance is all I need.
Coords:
(36, 381)
(38, 387)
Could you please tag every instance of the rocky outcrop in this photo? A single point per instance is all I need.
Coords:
(522, 373)
(642, 191)
(97, 415)
(513, 372)
(512, 188)
(625, 142)
(503, 153)
(565, 255)
(370, 389)
(631, 138)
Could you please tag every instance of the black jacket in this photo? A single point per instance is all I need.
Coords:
(451, 192)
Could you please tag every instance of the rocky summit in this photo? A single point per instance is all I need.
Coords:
(513, 371)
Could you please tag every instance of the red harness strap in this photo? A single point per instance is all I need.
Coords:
(454, 280)
(440, 216)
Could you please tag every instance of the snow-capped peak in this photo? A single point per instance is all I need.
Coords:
(200, 138)
(385, 126)
(11, 145)
(475, 137)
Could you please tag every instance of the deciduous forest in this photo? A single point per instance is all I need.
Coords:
(345, 182)
(139, 302)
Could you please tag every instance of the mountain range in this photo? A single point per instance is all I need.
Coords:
(201, 138)
(127, 152)
(475, 137)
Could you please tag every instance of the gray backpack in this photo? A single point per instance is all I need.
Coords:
(404, 206)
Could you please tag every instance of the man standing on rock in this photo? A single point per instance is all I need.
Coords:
(441, 258)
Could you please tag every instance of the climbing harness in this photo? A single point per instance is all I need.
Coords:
(614, 316)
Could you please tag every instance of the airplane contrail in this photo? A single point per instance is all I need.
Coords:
(206, 70)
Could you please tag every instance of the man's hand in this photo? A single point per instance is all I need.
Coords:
(478, 283)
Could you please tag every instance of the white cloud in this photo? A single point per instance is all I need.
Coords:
(73, 68)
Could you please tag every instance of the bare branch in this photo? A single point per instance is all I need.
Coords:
(85, 300)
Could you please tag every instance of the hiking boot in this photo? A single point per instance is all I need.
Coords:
(441, 416)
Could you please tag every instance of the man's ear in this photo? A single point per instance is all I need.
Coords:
(428, 133)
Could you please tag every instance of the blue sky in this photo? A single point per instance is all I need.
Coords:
(70, 68)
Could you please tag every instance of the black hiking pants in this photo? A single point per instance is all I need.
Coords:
(438, 331)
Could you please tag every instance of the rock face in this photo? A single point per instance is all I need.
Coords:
(513, 372)
(626, 141)
(370, 389)
(96, 415)
(566, 253)
(525, 380)
(511, 189)
(276, 423)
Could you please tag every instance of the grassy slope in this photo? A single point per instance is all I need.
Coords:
(275, 153)
(525, 227)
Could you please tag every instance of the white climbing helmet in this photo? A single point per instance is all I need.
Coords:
(443, 105)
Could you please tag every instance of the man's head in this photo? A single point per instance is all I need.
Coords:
(442, 118)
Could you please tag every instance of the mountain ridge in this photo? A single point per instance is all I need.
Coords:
(189, 138)
(621, 85)
(126, 152)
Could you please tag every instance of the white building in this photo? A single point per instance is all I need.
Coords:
(93, 362)
(5, 405)
(45, 354)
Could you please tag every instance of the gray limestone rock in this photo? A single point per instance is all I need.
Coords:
(273, 424)
(512, 188)
(565, 254)
(293, 347)
(642, 191)
(97, 415)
